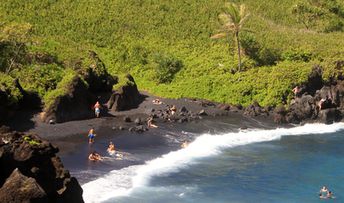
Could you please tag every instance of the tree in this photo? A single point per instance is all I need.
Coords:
(232, 22)
(13, 39)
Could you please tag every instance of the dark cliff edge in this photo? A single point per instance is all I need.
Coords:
(31, 171)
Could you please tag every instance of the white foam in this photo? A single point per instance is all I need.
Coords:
(123, 182)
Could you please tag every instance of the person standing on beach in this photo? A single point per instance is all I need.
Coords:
(91, 136)
(97, 109)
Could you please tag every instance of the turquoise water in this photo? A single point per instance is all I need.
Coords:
(287, 169)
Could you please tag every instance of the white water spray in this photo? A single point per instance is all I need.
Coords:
(123, 182)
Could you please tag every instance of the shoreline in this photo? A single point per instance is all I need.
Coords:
(71, 137)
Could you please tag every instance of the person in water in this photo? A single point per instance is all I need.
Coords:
(97, 109)
(323, 192)
(91, 136)
(111, 148)
(94, 156)
(329, 195)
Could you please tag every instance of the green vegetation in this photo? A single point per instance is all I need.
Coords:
(232, 22)
(7, 86)
(167, 45)
(62, 87)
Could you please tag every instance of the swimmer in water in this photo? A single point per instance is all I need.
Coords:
(111, 148)
(94, 156)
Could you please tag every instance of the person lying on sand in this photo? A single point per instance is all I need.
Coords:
(156, 101)
(91, 136)
(111, 148)
(150, 123)
(94, 156)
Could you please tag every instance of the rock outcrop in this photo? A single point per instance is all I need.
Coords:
(74, 105)
(125, 97)
(97, 77)
(3, 105)
(255, 110)
(31, 171)
(318, 102)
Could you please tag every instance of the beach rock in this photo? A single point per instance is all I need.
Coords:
(329, 116)
(183, 120)
(183, 110)
(202, 113)
(280, 115)
(125, 97)
(138, 121)
(32, 172)
(302, 108)
(127, 119)
(20, 188)
(138, 129)
(74, 105)
(315, 81)
(255, 110)
(224, 107)
(3, 106)
(335, 92)
(121, 128)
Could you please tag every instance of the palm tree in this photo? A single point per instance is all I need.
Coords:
(232, 22)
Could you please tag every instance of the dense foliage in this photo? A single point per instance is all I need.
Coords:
(166, 45)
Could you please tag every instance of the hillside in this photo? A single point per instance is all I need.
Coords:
(166, 45)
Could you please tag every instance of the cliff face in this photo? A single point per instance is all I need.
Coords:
(31, 171)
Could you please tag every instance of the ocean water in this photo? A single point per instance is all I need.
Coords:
(280, 165)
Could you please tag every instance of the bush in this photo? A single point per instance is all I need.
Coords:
(297, 55)
(166, 67)
(61, 89)
(14, 96)
(40, 78)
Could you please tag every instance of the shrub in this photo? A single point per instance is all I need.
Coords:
(40, 78)
(7, 85)
(61, 89)
(297, 55)
(166, 67)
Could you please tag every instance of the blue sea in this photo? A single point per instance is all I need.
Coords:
(254, 165)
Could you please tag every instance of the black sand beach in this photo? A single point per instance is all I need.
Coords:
(71, 137)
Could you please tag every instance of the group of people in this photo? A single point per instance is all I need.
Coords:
(94, 156)
(325, 193)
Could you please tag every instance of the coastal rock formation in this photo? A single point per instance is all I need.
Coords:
(301, 109)
(97, 77)
(3, 104)
(255, 110)
(31, 171)
(126, 97)
(75, 104)
(318, 101)
(279, 115)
